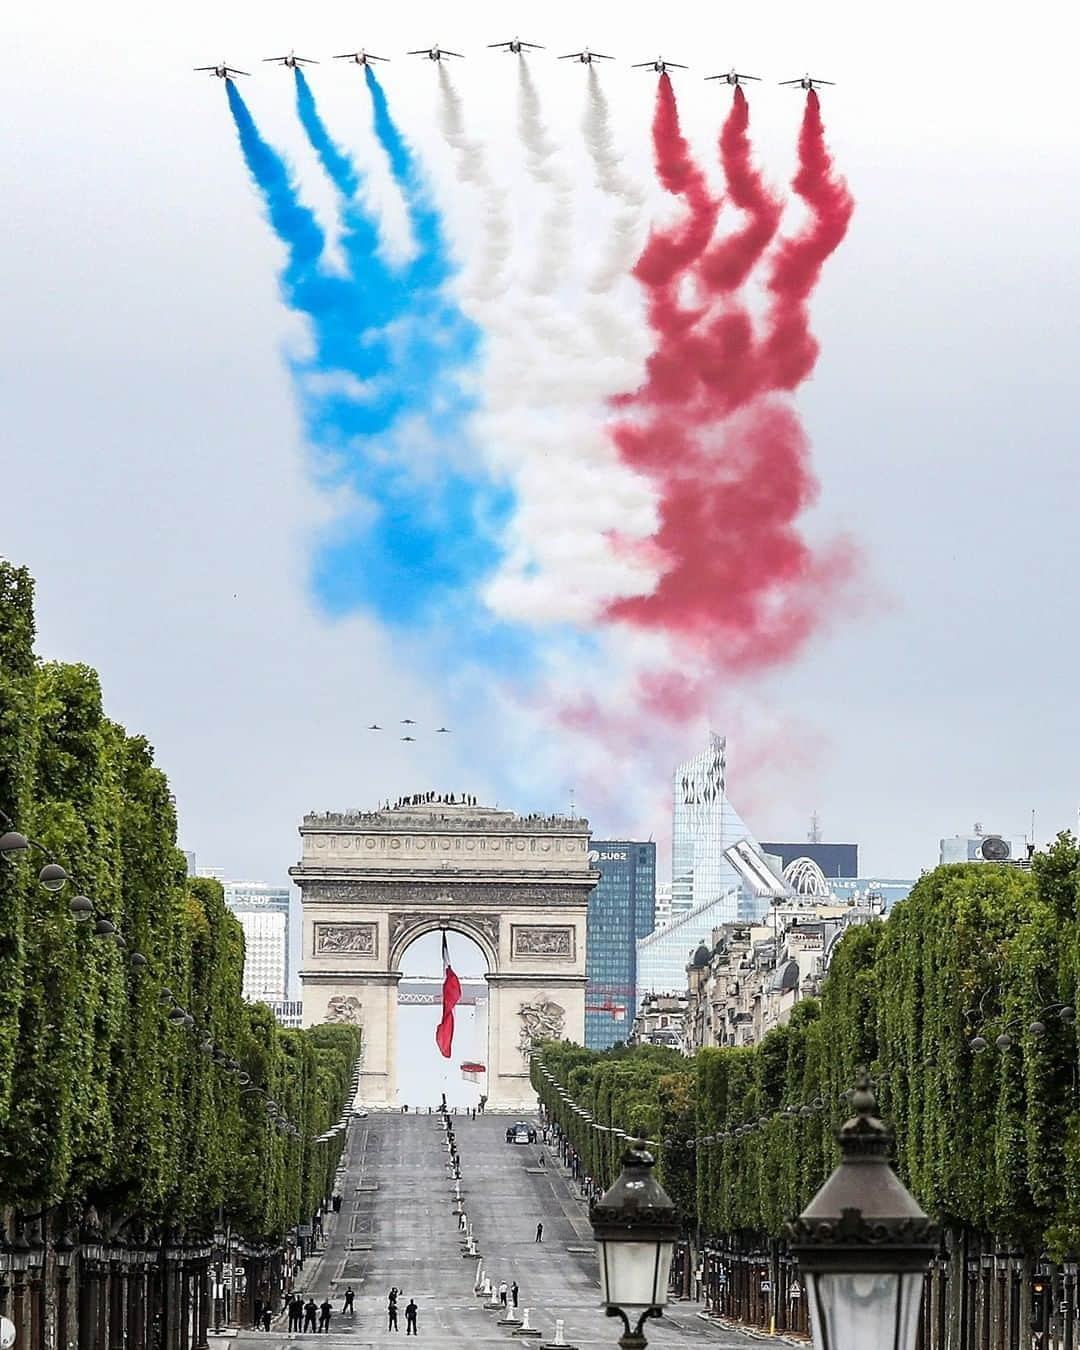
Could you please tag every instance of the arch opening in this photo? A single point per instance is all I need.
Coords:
(422, 1074)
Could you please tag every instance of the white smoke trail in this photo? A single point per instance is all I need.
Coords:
(607, 164)
(541, 160)
(473, 168)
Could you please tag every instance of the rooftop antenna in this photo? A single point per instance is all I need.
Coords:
(814, 837)
(1033, 825)
(573, 810)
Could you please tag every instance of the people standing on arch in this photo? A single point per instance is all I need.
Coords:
(410, 1318)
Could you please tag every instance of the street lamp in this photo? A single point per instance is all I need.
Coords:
(863, 1244)
(635, 1226)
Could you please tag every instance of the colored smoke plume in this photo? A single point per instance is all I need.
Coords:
(791, 348)
(669, 251)
(545, 169)
(728, 263)
(739, 587)
(607, 166)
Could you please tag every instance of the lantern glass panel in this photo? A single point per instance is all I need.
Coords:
(852, 1310)
(634, 1275)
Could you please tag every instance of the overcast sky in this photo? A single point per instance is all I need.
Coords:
(156, 482)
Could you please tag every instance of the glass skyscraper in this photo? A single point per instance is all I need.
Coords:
(621, 910)
(704, 824)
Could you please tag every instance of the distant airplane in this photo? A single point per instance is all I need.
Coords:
(435, 53)
(408, 738)
(223, 72)
(361, 57)
(732, 77)
(516, 45)
(441, 729)
(586, 57)
(374, 727)
(407, 722)
(292, 61)
(659, 65)
(808, 82)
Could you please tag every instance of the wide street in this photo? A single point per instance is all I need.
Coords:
(396, 1227)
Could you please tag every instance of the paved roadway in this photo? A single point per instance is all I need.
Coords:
(397, 1227)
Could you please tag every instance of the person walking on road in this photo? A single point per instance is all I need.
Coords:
(539, 1232)
(347, 1306)
(391, 1311)
(514, 1293)
(324, 1315)
(309, 1315)
(410, 1318)
(502, 1294)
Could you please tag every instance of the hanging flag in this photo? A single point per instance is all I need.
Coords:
(451, 995)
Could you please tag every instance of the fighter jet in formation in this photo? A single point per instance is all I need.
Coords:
(361, 57)
(292, 61)
(659, 65)
(807, 82)
(435, 53)
(516, 46)
(732, 77)
(586, 57)
(223, 72)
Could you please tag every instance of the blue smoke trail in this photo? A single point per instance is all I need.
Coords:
(380, 398)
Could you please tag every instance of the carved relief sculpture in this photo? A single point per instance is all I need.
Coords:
(557, 942)
(540, 1021)
(339, 939)
(344, 1008)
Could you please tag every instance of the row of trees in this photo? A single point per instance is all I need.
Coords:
(103, 1101)
(987, 1138)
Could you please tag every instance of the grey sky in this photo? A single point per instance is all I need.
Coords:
(156, 481)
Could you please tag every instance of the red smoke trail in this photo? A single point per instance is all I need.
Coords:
(739, 587)
(791, 348)
(728, 264)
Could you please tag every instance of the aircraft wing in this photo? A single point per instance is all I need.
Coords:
(799, 81)
(420, 51)
(602, 56)
(275, 58)
(829, 82)
(749, 77)
(232, 71)
(204, 67)
(306, 60)
(676, 65)
(536, 46)
(448, 53)
(502, 44)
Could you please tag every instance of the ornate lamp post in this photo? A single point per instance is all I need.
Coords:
(636, 1227)
(863, 1244)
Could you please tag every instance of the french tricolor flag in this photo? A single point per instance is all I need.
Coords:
(451, 996)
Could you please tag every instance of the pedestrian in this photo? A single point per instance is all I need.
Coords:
(324, 1315)
(297, 1308)
(539, 1232)
(336, 1202)
(410, 1318)
(347, 1306)
(391, 1311)
(258, 1313)
(309, 1315)
(542, 1162)
(514, 1293)
(502, 1294)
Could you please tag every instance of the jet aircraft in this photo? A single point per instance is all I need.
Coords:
(516, 45)
(586, 57)
(361, 57)
(223, 72)
(441, 729)
(292, 61)
(408, 738)
(808, 82)
(732, 77)
(659, 65)
(435, 53)
(374, 727)
(407, 722)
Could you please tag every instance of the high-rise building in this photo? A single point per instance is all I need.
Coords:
(982, 847)
(621, 910)
(263, 912)
(704, 825)
(663, 904)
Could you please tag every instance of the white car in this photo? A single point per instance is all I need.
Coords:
(359, 1114)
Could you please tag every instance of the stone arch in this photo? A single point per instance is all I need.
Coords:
(413, 926)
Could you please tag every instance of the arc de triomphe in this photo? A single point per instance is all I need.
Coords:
(371, 882)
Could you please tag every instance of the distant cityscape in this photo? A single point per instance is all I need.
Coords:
(717, 954)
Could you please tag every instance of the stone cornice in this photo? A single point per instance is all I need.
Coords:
(496, 892)
(338, 976)
(537, 979)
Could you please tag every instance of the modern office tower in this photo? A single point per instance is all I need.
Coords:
(704, 825)
(621, 910)
(263, 912)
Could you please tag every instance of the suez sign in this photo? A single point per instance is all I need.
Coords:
(612, 855)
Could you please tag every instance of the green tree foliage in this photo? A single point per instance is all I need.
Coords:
(102, 1100)
(988, 1141)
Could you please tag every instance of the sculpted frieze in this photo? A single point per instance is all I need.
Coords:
(529, 940)
(340, 939)
(384, 894)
